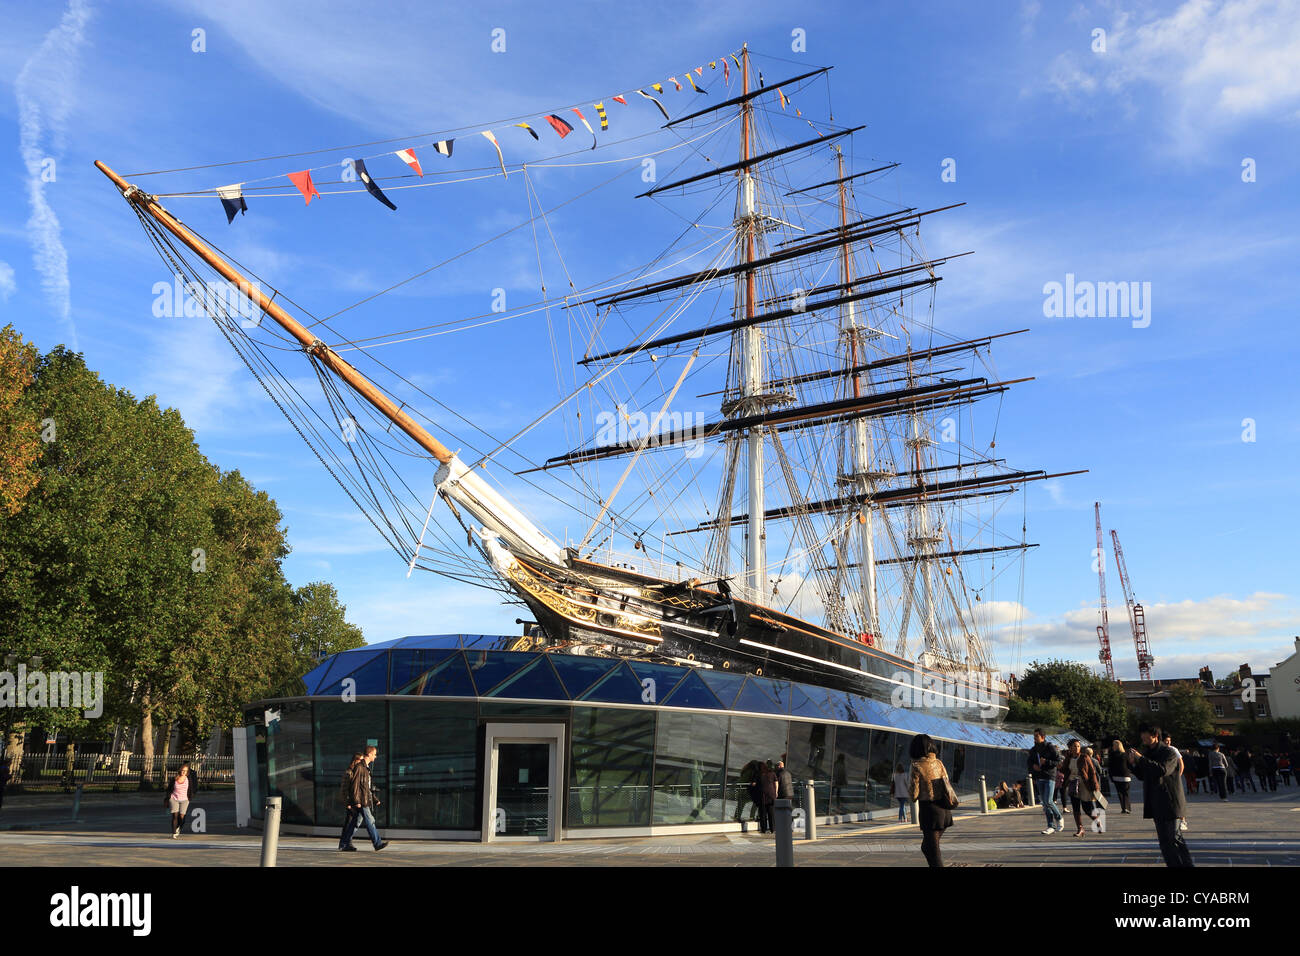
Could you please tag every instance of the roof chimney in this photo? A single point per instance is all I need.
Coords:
(1243, 671)
(1207, 677)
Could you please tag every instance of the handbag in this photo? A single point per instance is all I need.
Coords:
(943, 798)
(1101, 801)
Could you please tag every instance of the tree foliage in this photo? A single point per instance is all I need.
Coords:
(19, 427)
(137, 557)
(1094, 705)
(1040, 713)
(1188, 716)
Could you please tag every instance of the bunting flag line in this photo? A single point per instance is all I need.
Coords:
(531, 132)
(656, 103)
(619, 99)
(713, 64)
(735, 59)
(726, 71)
(559, 125)
(372, 187)
(699, 71)
(588, 125)
(657, 87)
(232, 201)
(444, 146)
(675, 83)
(501, 159)
(600, 111)
(783, 98)
(697, 89)
(305, 186)
(408, 156)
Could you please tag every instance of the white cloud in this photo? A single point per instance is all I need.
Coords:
(45, 92)
(1212, 631)
(1215, 64)
(7, 284)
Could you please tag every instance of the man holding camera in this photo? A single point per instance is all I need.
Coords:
(1162, 793)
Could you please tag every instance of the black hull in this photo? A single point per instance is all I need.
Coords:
(629, 614)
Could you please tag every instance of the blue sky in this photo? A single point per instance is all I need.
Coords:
(1122, 165)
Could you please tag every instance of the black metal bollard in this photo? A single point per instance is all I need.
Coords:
(984, 795)
(783, 821)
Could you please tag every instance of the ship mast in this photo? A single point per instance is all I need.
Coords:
(862, 476)
(751, 355)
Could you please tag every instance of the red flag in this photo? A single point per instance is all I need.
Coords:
(619, 99)
(559, 125)
(699, 71)
(305, 186)
(408, 156)
(726, 71)
(675, 83)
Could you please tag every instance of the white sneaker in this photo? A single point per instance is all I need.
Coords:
(1050, 830)
(1182, 824)
(176, 835)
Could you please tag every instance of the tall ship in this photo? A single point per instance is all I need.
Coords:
(775, 462)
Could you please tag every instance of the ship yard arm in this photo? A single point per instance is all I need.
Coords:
(455, 482)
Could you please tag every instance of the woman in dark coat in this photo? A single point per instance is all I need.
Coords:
(928, 772)
(767, 797)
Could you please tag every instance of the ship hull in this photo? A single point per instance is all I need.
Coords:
(625, 613)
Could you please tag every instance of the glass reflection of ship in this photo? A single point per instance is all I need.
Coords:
(835, 441)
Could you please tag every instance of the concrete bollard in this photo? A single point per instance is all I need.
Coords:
(271, 832)
(1030, 792)
(984, 795)
(916, 813)
(783, 822)
(810, 813)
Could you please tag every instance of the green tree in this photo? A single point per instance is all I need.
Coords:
(1040, 713)
(1095, 705)
(1188, 716)
(320, 626)
(20, 444)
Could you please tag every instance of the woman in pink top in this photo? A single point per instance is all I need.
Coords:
(176, 797)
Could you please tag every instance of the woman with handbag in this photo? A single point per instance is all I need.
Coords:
(1081, 783)
(929, 784)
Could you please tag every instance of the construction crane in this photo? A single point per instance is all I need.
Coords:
(1136, 618)
(1103, 629)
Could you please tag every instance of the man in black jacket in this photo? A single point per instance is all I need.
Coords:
(1162, 793)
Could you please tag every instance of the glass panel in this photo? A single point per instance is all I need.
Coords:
(609, 770)
(506, 708)
(692, 692)
(723, 683)
(523, 790)
(579, 673)
(371, 678)
(809, 757)
(536, 681)
(312, 678)
(490, 668)
(429, 642)
(689, 752)
(410, 667)
(850, 777)
(957, 768)
(778, 690)
(752, 697)
(340, 665)
(289, 761)
(663, 678)
(621, 686)
(450, 679)
(801, 705)
(753, 741)
(886, 760)
(433, 765)
(343, 729)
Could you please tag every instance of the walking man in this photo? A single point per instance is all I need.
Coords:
(1162, 793)
(1219, 771)
(363, 796)
(1044, 759)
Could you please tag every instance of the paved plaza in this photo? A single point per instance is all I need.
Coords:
(131, 830)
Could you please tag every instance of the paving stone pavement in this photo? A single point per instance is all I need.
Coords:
(131, 830)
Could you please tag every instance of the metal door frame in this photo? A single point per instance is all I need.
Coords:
(499, 732)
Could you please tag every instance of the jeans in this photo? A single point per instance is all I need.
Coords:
(1172, 844)
(359, 816)
(1046, 792)
(902, 809)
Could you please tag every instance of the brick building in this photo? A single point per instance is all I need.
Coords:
(1230, 699)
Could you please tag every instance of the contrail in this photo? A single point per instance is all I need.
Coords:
(44, 91)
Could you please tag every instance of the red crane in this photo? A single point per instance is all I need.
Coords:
(1136, 618)
(1103, 629)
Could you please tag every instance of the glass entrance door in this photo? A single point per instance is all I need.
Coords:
(523, 797)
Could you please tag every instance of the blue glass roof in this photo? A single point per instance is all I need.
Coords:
(468, 665)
